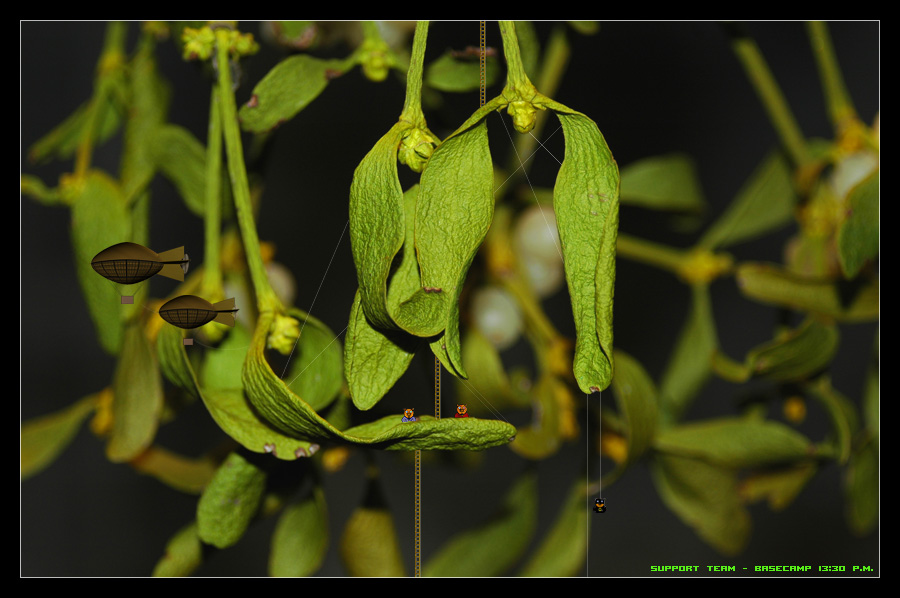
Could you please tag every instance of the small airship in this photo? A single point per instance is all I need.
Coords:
(129, 263)
(189, 311)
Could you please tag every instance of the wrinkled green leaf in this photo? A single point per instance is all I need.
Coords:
(290, 414)
(841, 412)
(774, 285)
(369, 545)
(493, 547)
(300, 540)
(452, 74)
(636, 397)
(861, 489)
(45, 437)
(286, 90)
(562, 552)
(792, 355)
(764, 203)
(99, 220)
(178, 472)
(780, 487)
(63, 140)
(704, 497)
(137, 397)
(586, 202)
(735, 442)
(542, 438)
(316, 370)
(230, 501)
(667, 182)
(223, 394)
(857, 237)
(691, 360)
(184, 553)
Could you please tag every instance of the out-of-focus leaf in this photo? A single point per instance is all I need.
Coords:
(529, 48)
(137, 397)
(453, 74)
(764, 203)
(297, 35)
(184, 553)
(181, 473)
(780, 487)
(861, 488)
(182, 159)
(774, 285)
(34, 187)
(585, 27)
(691, 361)
(300, 540)
(492, 548)
(487, 378)
(230, 501)
(316, 373)
(735, 442)
(100, 220)
(841, 412)
(62, 141)
(667, 182)
(871, 394)
(636, 397)
(857, 237)
(369, 545)
(226, 403)
(542, 438)
(792, 355)
(705, 497)
(562, 551)
(287, 89)
(45, 437)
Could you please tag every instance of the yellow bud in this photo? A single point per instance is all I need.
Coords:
(524, 115)
(702, 266)
(794, 409)
(198, 43)
(334, 459)
(102, 421)
(416, 147)
(284, 334)
(613, 446)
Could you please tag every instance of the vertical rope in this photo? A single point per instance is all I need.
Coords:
(482, 63)
(418, 530)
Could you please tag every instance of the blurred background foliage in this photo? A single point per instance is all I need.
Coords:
(745, 399)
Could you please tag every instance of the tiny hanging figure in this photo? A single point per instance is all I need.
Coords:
(461, 411)
(600, 505)
(408, 416)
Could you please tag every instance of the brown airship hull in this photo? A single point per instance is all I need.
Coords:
(130, 263)
(189, 311)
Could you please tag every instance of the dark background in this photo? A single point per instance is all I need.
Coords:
(652, 88)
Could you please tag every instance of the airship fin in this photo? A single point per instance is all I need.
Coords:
(226, 311)
(177, 267)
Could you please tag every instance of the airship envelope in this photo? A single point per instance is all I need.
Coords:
(189, 311)
(128, 263)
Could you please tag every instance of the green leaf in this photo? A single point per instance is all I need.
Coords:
(373, 359)
(300, 540)
(585, 27)
(792, 355)
(691, 360)
(774, 285)
(780, 487)
(297, 35)
(861, 489)
(529, 47)
(316, 371)
(487, 376)
(562, 552)
(369, 545)
(667, 182)
(857, 237)
(184, 553)
(542, 438)
(181, 158)
(290, 414)
(841, 412)
(735, 442)
(586, 202)
(286, 90)
(452, 74)
(137, 397)
(181, 473)
(100, 220)
(704, 497)
(491, 548)
(636, 397)
(223, 395)
(45, 437)
(63, 140)
(230, 501)
(765, 203)
(872, 394)
(34, 187)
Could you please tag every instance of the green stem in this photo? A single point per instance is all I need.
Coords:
(516, 78)
(212, 273)
(412, 107)
(840, 106)
(773, 100)
(651, 253)
(266, 300)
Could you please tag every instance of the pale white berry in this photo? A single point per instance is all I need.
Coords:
(544, 278)
(497, 316)
(282, 282)
(851, 170)
(536, 234)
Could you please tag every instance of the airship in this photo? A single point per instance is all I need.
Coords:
(188, 311)
(129, 263)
